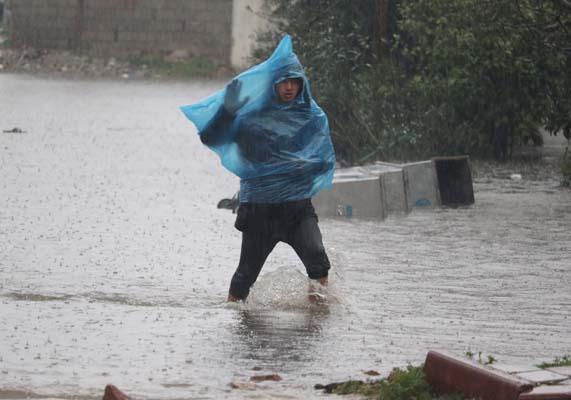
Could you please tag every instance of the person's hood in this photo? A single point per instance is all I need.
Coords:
(292, 71)
(298, 142)
(303, 98)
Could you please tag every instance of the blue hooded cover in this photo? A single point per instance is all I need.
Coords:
(280, 151)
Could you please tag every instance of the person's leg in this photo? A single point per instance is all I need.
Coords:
(256, 247)
(307, 242)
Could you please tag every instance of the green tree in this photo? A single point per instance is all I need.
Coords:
(474, 64)
(455, 71)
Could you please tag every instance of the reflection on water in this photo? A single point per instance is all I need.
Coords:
(280, 336)
(115, 263)
(277, 324)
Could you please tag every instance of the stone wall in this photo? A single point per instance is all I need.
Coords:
(247, 21)
(123, 27)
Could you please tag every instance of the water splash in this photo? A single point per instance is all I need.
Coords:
(287, 288)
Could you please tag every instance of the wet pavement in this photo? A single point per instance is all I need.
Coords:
(114, 263)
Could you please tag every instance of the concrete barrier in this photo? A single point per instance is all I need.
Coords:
(454, 180)
(421, 185)
(354, 194)
(391, 178)
(380, 189)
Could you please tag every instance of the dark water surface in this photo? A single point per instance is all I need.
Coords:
(114, 263)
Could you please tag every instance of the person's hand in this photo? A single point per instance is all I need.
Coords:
(232, 101)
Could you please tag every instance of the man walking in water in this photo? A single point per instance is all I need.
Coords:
(276, 139)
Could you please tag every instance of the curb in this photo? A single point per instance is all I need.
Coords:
(448, 374)
(112, 393)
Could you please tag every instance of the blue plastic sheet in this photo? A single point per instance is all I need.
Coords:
(281, 151)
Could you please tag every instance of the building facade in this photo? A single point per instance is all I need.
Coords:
(221, 30)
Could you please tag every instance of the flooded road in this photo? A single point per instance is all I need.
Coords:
(115, 263)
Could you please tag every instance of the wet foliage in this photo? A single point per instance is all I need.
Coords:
(487, 360)
(564, 361)
(402, 384)
(451, 77)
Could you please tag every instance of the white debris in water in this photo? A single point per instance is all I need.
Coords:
(515, 177)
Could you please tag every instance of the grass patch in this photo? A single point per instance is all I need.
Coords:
(564, 361)
(406, 384)
(489, 360)
(368, 389)
(402, 384)
(198, 67)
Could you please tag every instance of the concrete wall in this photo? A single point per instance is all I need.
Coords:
(246, 22)
(122, 27)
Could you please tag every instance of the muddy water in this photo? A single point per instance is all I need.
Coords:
(114, 264)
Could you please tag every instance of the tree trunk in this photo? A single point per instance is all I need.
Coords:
(381, 28)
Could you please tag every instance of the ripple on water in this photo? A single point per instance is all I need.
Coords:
(115, 263)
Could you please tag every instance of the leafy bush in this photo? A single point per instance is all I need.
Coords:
(454, 72)
(406, 384)
(402, 384)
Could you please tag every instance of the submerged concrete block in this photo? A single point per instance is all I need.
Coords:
(399, 188)
(454, 180)
(542, 377)
(564, 370)
(354, 194)
(552, 392)
(394, 194)
(421, 184)
(515, 368)
(392, 186)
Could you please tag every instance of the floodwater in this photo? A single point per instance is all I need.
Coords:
(115, 262)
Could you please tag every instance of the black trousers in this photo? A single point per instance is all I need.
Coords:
(265, 225)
